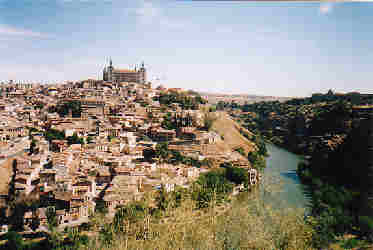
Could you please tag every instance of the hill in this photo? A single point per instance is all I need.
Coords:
(214, 98)
(5, 173)
(230, 131)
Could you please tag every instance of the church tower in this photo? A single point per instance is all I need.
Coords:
(108, 72)
(142, 72)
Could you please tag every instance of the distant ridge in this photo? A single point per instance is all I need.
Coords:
(214, 98)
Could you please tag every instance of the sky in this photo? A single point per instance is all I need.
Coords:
(236, 47)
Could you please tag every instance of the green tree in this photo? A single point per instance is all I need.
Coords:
(240, 150)
(55, 237)
(256, 160)
(161, 150)
(15, 241)
(32, 146)
(212, 186)
(17, 214)
(236, 175)
(74, 139)
(35, 222)
(12, 187)
(208, 121)
(51, 217)
(89, 139)
(131, 213)
(366, 227)
(163, 199)
(149, 154)
(53, 134)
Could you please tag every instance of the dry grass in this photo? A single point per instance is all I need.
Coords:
(5, 173)
(229, 129)
(246, 224)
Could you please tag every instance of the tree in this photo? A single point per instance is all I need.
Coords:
(149, 154)
(51, 218)
(12, 187)
(16, 218)
(63, 109)
(35, 222)
(208, 121)
(54, 237)
(256, 160)
(132, 213)
(74, 139)
(236, 175)
(15, 241)
(161, 150)
(220, 105)
(366, 226)
(366, 177)
(240, 150)
(163, 199)
(89, 139)
(212, 186)
(32, 146)
(53, 134)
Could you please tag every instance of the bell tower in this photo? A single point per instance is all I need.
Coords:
(108, 72)
(142, 72)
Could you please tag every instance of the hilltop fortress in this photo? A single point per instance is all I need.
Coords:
(111, 74)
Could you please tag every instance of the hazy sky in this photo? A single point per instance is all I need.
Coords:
(264, 48)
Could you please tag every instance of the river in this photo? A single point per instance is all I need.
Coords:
(280, 174)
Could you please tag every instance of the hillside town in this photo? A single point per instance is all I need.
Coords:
(76, 147)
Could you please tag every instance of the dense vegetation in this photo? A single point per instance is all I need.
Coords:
(204, 216)
(340, 181)
(164, 154)
(183, 99)
(256, 158)
(64, 109)
(294, 123)
(335, 136)
(53, 134)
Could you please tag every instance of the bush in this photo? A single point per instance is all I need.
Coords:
(208, 121)
(256, 160)
(366, 227)
(212, 186)
(236, 175)
(240, 150)
(15, 241)
(351, 243)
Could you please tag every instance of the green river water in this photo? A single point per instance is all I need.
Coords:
(280, 174)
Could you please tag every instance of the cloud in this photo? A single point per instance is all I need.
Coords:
(326, 8)
(150, 13)
(224, 29)
(6, 30)
(147, 13)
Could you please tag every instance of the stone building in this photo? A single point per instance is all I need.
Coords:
(111, 74)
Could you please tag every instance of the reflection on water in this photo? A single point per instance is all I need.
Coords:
(291, 174)
(281, 178)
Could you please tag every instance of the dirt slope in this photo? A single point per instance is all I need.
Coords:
(229, 129)
(5, 173)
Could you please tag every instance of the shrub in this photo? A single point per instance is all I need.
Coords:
(366, 227)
